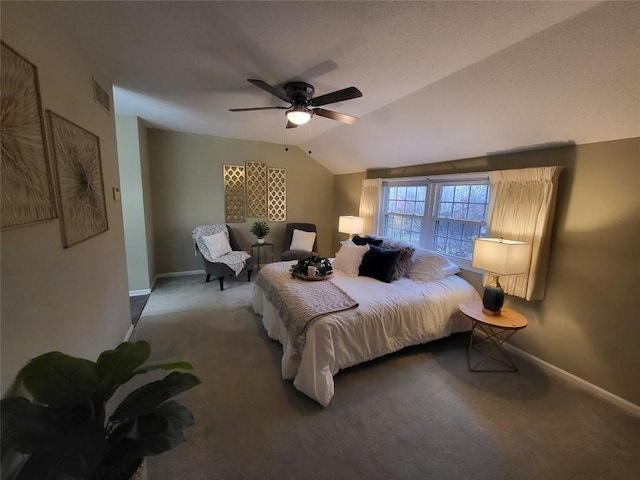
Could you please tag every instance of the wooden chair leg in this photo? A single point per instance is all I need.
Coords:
(208, 278)
(221, 280)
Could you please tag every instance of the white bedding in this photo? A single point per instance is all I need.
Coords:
(390, 316)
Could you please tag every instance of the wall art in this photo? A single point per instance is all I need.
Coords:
(234, 193)
(27, 187)
(256, 189)
(277, 194)
(76, 153)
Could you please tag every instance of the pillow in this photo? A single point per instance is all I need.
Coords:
(302, 240)
(217, 244)
(379, 263)
(367, 240)
(406, 256)
(429, 266)
(348, 259)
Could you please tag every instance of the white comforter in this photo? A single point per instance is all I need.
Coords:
(389, 318)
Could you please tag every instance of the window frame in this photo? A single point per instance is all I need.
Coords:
(432, 202)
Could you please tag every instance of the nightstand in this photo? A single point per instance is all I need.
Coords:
(488, 334)
(259, 247)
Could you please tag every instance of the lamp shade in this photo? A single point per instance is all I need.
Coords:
(299, 115)
(501, 257)
(350, 224)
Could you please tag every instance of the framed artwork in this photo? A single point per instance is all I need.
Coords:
(277, 194)
(27, 187)
(256, 189)
(234, 193)
(76, 153)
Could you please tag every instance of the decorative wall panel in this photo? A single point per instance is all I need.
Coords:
(256, 189)
(27, 187)
(277, 194)
(83, 207)
(234, 193)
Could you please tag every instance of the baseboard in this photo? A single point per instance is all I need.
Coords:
(135, 293)
(129, 333)
(600, 392)
(177, 274)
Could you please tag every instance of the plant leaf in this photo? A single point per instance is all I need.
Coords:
(165, 366)
(60, 442)
(151, 434)
(118, 366)
(58, 379)
(147, 398)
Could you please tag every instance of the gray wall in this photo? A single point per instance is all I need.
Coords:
(136, 204)
(187, 191)
(72, 300)
(587, 324)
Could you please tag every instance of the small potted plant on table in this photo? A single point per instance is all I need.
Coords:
(260, 229)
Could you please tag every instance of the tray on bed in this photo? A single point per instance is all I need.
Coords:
(310, 278)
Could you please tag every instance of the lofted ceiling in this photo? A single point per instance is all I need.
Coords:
(440, 80)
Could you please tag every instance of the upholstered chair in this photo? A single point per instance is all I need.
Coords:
(220, 270)
(295, 254)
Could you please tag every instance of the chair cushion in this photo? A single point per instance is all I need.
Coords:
(217, 244)
(302, 240)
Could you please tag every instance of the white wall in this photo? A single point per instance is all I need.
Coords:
(133, 202)
(75, 299)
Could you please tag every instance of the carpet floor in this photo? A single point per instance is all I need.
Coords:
(416, 414)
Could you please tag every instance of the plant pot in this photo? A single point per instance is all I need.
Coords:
(261, 240)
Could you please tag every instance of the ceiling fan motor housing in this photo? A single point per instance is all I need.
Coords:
(300, 93)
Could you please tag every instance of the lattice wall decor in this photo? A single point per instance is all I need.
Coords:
(256, 189)
(277, 194)
(234, 193)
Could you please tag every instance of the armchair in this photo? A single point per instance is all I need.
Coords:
(232, 263)
(297, 254)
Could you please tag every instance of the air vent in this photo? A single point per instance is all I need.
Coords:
(101, 96)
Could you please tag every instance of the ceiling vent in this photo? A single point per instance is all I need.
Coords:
(101, 96)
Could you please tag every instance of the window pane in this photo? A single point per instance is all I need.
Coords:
(409, 207)
(460, 210)
(411, 193)
(461, 193)
(400, 206)
(477, 211)
(393, 193)
(445, 210)
(406, 223)
(421, 193)
(470, 232)
(441, 228)
(402, 193)
(467, 250)
(397, 222)
(416, 225)
(446, 193)
(419, 209)
(478, 193)
(392, 206)
(455, 230)
(454, 247)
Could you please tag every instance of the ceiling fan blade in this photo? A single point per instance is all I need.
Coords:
(341, 117)
(272, 90)
(291, 124)
(337, 96)
(256, 108)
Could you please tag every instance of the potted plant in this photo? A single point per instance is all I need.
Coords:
(62, 428)
(260, 229)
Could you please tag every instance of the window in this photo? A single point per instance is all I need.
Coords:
(441, 214)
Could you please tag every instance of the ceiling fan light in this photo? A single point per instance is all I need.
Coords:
(299, 115)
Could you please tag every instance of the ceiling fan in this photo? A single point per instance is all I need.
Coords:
(300, 97)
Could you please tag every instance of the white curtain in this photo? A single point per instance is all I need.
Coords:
(370, 204)
(521, 207)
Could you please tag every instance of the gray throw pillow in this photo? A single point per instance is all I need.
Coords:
(406, 257)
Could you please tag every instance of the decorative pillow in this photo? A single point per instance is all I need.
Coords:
(367, 240)
(302, 240)
(217, 244)
(429, 266)
(406, 256)
(379, 263)
(348, 259)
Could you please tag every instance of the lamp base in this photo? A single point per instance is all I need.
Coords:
(492, 300)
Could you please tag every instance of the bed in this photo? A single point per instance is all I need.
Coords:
(387, 318)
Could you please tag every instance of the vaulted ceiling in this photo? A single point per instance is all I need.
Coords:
(440, 80)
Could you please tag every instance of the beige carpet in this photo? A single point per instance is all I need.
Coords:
(418, 414)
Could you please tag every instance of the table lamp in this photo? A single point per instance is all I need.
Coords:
(350, 224)
(499, 257)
